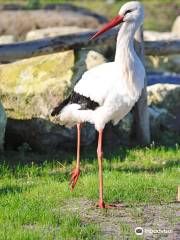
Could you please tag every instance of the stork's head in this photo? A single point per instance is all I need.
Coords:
(129, 12)
(132, 12)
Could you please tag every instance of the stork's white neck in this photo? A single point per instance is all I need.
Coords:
(129, 64)
(125, 41)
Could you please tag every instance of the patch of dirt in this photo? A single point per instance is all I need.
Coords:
(120, 223)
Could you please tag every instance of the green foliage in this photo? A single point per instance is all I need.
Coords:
(34, 4)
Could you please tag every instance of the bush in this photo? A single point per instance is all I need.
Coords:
(34, 4)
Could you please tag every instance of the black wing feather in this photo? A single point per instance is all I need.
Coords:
(57, 109)
(84, 102)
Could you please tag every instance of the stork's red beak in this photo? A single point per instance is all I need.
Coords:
(115, 21)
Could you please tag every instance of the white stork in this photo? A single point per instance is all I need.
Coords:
(109, 91)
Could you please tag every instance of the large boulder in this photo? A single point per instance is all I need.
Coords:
(164, 95)
(157, 36)
(3, 121)
(54, 31)
(176, 26)
(18, 23)
(4, 39)
(160, 119)
(31, 88)
(165, 106)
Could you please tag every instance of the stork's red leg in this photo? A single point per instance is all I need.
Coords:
(76, 172)
(100, 159)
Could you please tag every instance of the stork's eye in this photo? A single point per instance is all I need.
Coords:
(128, 11)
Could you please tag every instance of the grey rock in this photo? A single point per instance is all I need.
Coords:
(40, 19)
(54, 31)
(156, 36)
(160, 118)
(164, 95)
(165, 106)
(176, 26)
(4, 39)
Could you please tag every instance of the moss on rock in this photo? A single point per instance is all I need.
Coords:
(31, 87)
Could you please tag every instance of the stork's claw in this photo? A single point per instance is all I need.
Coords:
(101, 204)
(74, 177)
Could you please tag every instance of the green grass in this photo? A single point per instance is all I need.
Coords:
(127, 231)
(33, 192)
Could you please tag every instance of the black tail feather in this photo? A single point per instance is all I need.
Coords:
(60, 106)
(84, 102)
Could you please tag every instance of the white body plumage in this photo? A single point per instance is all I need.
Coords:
(115, 86)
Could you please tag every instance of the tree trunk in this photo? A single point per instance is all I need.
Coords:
(141, 127)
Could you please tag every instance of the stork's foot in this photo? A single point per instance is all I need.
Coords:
(74, 177)
(101, 204)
